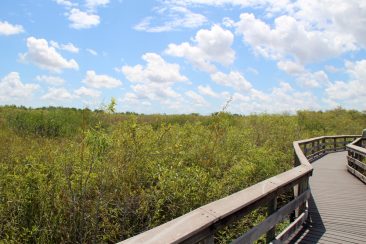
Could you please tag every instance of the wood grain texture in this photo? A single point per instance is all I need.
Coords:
(337, 206)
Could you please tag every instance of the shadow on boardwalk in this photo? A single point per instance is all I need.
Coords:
(314, 229)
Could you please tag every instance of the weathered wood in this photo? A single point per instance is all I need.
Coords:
(356, 162)
(271, 208)
(209, 216)
(337, 207)
(356, 173)
(209, 240)
(272, 220)
(292, 228)
(201, 224)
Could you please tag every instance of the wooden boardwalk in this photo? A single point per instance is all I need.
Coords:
(336, 199)
(337, 207)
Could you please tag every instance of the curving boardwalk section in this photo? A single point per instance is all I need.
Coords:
(337, 207)
(336, 199)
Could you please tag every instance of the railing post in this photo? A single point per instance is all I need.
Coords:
(323, 146)
(334, 144)
(208, 240)
(271, 208)
(298, 189)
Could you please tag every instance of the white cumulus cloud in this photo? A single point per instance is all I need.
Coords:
(67, 47)
(197, 99)
(52, 80)
(305, 77)
(100, 81)
(82, 20)
(209, 46)
(84, 91)
(8, 29)
(234, 79)
(157, 70)
(207, 91)
(66, 3)
(174, 18)
(290, 37)
(45, 56)
(12, 88)
(57, 94)
(155, 81)
(350, 93)
(92, 4)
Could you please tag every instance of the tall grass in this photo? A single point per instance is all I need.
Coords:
(74, 176)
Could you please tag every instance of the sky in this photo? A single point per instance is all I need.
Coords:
(184, 56)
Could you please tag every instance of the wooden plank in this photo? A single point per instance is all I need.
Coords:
(337, 210)
(176, 230)
(272, 220)
(292, 228)
(207, 219)
(208, 215)
(357, 162)
(271, 208)
(356, 173)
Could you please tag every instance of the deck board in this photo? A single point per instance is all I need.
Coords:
(338, 204)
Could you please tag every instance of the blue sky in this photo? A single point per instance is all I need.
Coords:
(184, 56)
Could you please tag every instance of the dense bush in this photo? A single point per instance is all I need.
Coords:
(64, 178)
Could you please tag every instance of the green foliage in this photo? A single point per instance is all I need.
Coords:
(76, 176)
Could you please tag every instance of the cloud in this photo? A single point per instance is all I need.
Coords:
(8, 29)
(66, 3)
(155, 91)
(307, 45)
(351, 93)
(157, 70)
(174, 18)
(207, 91)
(313, 79)
(155, 81)
(46, 57)
(209, 46)
(57, 94)
(291, 67)
(82, 20)
(100, 81)
(280, 99)
(67, 47)
(197, 99)
(233, 79)
(304, 77)
(148, 93)
(92, 52)
(83, 91)
(12, 88)
(357, 70)
(52, 80)
(344, 19)
(92, 4)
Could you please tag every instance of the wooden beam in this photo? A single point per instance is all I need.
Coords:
(272, 220)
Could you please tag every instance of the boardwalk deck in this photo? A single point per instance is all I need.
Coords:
(338, 204)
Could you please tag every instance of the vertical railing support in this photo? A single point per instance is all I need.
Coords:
(208, 240)
(323, 147)
(271, 208)
(334, 144)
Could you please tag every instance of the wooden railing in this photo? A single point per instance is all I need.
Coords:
(201, 224)
(356, 156)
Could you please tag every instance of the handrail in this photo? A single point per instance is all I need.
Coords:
(202, 223)
(356, 154)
